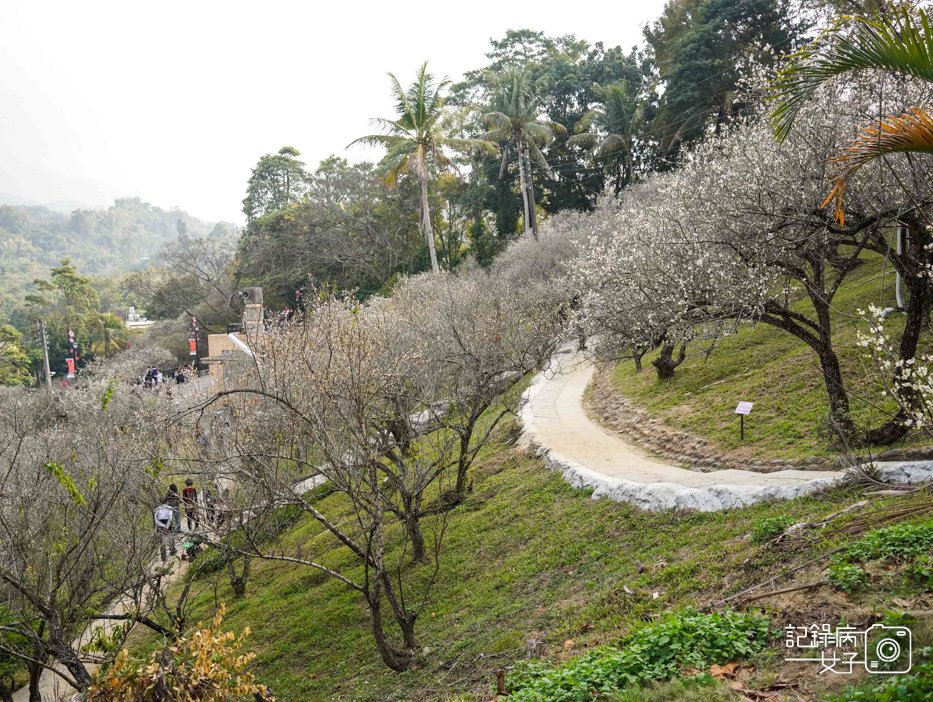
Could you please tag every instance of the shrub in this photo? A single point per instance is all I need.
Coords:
(904, 543)
(657, 652)
(846, 576)
(206, 665)
(921, 572)
(769, 527)
(911, 687)
(208, 562)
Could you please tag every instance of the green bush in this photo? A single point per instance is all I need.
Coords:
(915, 686)
(319, 492)
(657, 652)
(278, 522)
(213, 560)
(921, 572)
(903, 543)
(208, 562)
(846, 576)
(769, 527)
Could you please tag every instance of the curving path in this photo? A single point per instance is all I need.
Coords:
(556, 426)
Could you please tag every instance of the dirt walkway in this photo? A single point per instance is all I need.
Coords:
(556, 425)
(54, 688)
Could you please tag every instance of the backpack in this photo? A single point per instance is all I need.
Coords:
(163, 516)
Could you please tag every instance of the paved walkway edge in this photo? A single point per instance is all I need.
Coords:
(663, 495)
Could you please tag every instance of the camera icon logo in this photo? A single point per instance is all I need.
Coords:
(888, 649)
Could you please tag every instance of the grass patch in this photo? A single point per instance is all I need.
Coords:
(777, 372)
(769, 527)
(525, 556)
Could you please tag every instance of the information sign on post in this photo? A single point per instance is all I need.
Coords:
(743, 409)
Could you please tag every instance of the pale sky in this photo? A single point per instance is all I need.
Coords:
(176, 101)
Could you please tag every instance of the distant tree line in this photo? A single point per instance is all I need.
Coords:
(549, 124)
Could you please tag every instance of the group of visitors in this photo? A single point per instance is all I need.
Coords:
(167, 517)
(154, 378)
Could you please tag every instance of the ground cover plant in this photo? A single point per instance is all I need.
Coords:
(907, 545)
(660, 651)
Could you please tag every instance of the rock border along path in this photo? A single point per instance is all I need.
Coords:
(557, 428)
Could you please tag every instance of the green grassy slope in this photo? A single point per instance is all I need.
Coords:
(777, 372)
(525, 556)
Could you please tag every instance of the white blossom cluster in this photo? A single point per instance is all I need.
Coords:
(738, 231)
(909, 382)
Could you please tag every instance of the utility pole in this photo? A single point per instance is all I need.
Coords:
(47, 373)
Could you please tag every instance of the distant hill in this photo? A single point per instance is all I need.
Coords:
(101, 242)
(66, 206)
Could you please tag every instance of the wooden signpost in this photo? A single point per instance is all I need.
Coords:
(743, 409)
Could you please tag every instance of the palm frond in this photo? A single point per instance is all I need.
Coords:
(541, 132)
(498, 121)
(389, 141)
(585, 123)
(538, 157)
(612, 143)
(400, 167)
(485, 146)
(587, 140)
(909, 132)
(902, 45)
(403, 105)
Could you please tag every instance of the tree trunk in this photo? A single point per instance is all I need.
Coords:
(396, 660)
(426, 229)
(840, 418)
(523, 185)
(463, 461)
(665, 363)
(407, 625)
(918, 306)
(637, 356)
(68, 658)
(416, 536)
(530, 183)
(238, 581)
(35, 673)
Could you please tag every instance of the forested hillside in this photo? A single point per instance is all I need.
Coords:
(124, 237)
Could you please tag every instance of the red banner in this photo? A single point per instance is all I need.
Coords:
(193, 347)
(71, 367)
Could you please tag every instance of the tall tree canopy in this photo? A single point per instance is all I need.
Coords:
(416, 139)
(700, 50)
(277, 181)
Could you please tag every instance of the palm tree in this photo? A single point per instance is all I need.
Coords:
(112, 334)
(515, 122)
(620, 115)
(416, 139)
(901, 44)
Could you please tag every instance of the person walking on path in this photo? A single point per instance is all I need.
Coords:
(164, 517)
(189, 497)
(210, 505)
(173, 500)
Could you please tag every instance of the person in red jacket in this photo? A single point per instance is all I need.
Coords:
(189, 498)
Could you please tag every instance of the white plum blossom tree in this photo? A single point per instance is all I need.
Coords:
(739, 232)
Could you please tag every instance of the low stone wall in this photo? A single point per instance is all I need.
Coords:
(608, 407)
